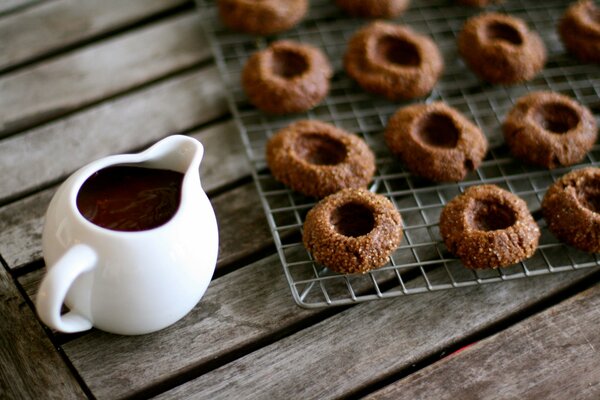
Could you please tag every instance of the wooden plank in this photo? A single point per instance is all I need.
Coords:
(224, 162)
(359, 346)
(30, 366)
(51, 89)
(49, 153)
(21, 229)
(243, 228)
(46, 28)
(552, 355)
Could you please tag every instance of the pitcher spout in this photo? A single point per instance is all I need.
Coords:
(177, 152)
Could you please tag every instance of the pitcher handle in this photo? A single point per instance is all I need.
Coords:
(55, 285)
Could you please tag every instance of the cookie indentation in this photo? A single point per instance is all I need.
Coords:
(504, 32)
(438, 130)
(352, 220)
(320, 150)
(398, 52)
(489, 215)
(556, 117)
(589, 193)
(288, 64)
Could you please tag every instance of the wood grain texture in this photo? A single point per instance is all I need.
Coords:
(224, 162)
(243, 228)
(30, 366)
(132, 121)
(552, 355)
(53, 25)
(53, 88)
(367, 343)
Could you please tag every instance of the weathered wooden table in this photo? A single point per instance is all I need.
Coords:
(80, 80)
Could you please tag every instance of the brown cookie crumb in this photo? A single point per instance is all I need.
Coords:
(263, 17)
(373, 8)
(571, 208)
(549, 129)
(352, 231)
(286, 77)
(579, 30)
(488, 227)
(501, 49)
(393, 61)
(435, 141)
(317, 159)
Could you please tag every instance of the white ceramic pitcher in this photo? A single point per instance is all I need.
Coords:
(129, 282)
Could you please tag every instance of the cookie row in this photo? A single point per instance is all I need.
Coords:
(354, 230)
(398, 63)
(434, 141)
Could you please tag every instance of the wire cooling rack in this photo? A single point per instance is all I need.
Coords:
(422, 262)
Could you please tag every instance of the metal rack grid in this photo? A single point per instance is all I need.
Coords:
(421, 263)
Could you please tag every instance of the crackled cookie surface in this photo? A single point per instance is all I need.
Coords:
(393, 61)
(286, 77)
(571, 207)
(317, 159)
(435, 141)
(352, 231)
(579, 30)
(501, 49)
(549, 129)
(488, 227)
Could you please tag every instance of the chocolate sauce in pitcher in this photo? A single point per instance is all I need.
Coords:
(126, 198)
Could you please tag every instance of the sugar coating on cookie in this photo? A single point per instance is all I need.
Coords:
(393, 61)
(579, 30)
(501, 49)
(435, 141)
(317, 159)
(287, 77)
(352, 231)
(373, 8)
(488, 227)
(549, 129)
(264, 17)
(571, 208)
